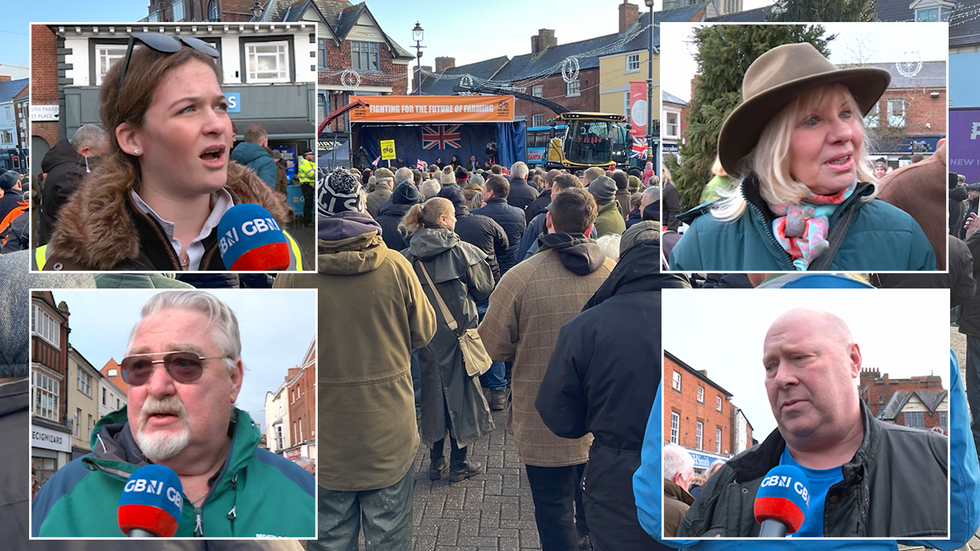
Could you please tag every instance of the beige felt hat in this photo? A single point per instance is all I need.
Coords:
(776, 78)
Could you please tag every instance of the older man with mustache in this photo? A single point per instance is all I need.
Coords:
(184, 370)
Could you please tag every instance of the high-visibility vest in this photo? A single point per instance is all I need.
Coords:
(306, 174)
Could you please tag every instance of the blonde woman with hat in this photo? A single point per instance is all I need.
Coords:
(806, 200)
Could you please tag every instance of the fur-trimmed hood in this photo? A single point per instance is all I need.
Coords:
(96, 230)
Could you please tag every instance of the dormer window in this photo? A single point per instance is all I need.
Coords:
(931, 11)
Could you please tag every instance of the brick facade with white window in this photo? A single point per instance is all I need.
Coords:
(689, 411)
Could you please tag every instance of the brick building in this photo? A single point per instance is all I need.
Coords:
(45, 93)
(354, 56)
(919, 401)
(301, 395)
(543, 71)
(697, 413)
(200, 10)
(911, 115)
(50, 435)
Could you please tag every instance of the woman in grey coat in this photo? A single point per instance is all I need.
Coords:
(452, 401)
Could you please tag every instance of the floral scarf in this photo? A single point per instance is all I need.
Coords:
(801, 228)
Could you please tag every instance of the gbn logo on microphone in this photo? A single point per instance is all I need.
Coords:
(787, 482)
(154, 487)
(249, 228)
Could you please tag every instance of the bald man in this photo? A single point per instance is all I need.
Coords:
(867, 478)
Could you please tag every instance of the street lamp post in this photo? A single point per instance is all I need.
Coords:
(651, 139)
(418, 34)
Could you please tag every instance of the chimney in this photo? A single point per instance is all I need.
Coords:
(628, 15)
(4, 78)
(443, 63)
(544, 39)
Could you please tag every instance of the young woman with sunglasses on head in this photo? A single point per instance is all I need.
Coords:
(155, 201)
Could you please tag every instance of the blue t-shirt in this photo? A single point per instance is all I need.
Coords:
(820, 481)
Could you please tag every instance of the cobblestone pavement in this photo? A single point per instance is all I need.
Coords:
(489, 512)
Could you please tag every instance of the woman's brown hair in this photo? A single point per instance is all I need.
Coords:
(146, 71)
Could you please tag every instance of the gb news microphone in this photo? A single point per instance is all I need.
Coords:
(149, 506)
(782, 501)
(250, 239)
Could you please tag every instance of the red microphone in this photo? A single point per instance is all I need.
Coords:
(782, 501)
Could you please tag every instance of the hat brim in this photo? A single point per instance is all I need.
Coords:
(741, 130)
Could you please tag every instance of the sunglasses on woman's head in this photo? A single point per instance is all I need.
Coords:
(166, 44)
(183, 367)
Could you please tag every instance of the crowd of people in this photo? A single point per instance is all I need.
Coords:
(506, 256)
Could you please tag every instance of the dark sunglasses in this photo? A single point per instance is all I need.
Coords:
(183, 367)
(166, 44)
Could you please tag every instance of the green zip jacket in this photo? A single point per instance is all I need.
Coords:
(880, 238)
(255, 494)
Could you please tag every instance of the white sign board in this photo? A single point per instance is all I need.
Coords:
(50, 439)
(44, 112)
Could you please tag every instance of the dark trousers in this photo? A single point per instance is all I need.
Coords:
(973, 384)
(558, 510)
(307, 203)
(385, 517)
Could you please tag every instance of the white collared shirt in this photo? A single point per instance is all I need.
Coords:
(221, 202)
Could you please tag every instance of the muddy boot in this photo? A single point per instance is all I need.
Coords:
(438, 464)
(498, 400)
(461, 468)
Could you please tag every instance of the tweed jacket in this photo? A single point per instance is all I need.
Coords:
(521, 325)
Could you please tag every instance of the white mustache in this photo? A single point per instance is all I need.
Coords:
(171, 405)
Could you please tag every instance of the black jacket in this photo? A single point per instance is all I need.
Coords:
(483, 232)
(671, 206)
(602, 379)
(511, 219)
(389, 215)
(894, 487)
(970, 316)
(538, 206)
(960, 280)
(521, 193)
(65, 169)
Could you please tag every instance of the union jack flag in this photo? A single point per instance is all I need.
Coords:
(639, 150)
(441, 136)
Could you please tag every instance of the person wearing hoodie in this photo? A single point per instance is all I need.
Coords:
(254, 154)
(390, 214)
(455, 276)
(530, 304)
(599, 381)
(366, 402)
(65, 165)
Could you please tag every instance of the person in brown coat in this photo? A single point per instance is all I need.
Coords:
(678, 474)
(521, 325)
(920, 190)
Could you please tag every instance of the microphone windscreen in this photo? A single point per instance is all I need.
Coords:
(250, 239)
(151, 500)
(783, 495)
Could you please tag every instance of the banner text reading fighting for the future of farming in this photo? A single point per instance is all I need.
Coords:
(434, 109)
